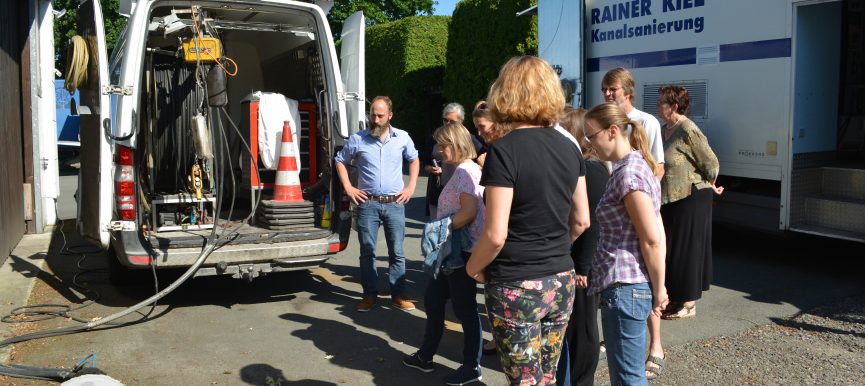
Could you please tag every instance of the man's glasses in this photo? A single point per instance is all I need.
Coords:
(446, 121)
(611, 90)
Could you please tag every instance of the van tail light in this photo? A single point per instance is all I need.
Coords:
(124, 183)
(335, 247)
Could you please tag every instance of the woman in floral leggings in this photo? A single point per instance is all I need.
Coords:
(537, 206)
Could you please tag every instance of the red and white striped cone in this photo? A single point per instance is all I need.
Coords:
(286, 188)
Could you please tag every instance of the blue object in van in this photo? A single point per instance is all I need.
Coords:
(67, 123)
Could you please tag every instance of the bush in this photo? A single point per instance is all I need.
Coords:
(484, 34)
(405, 60)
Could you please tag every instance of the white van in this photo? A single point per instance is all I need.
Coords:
(172, 129)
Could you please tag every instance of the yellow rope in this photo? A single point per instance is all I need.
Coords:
(76, 66)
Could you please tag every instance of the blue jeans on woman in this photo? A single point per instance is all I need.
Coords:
(462, 290)
(371, 214)
(624, 310)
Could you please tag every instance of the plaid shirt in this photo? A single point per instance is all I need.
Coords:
(618, 258)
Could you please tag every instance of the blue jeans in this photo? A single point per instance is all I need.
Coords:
(462, 290)
(371, 214)
(624, 310)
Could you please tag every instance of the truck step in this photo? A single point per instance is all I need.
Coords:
(843, 182)
(839, 213)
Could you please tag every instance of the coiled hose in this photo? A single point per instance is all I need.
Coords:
(77, 58)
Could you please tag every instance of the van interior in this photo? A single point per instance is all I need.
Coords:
(203, 142)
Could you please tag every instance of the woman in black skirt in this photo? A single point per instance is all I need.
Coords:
(691, 168)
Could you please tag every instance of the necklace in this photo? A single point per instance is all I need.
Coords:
(671, 128)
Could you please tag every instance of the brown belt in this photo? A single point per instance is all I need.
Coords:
(383, 199)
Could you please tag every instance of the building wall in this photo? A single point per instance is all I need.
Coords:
(12, 43)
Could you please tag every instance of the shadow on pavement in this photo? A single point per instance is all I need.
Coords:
(796, 269)
(261, 374)
(351, 348)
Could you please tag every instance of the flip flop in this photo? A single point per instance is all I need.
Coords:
(655, 366)
(683, 313)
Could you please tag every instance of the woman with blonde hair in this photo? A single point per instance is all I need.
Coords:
(523, 254)
(462, 200)
(628, 268)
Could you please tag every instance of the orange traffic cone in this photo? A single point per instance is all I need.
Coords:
(286, 188)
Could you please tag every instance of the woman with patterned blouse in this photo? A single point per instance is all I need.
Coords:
(628, 268)
(462, 199)
(687, 188)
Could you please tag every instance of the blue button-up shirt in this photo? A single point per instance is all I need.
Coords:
(379, 164)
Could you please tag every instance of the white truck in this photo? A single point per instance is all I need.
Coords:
(777, 86)
(169, 129)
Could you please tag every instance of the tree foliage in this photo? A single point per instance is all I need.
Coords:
(483, 35)
(377, 11)
(405, 60)
(66, 26)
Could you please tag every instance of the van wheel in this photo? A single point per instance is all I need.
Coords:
(121, 276)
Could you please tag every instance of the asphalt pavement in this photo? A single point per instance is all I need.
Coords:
(302, 327)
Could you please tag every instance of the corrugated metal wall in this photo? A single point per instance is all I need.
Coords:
(12, 42)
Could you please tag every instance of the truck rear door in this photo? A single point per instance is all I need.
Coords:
(352, 62)
(95, 182)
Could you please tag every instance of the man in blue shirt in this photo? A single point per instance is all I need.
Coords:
(378, 153)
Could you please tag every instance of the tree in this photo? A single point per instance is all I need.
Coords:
(483, 35)
(406, 61)
(66, 26)
(376, 11)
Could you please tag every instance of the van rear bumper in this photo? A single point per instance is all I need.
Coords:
(244, 253)
(299, 254)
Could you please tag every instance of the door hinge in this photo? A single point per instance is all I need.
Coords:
(117, 90)
(350, 96)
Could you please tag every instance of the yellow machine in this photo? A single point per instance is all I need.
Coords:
(206, 49)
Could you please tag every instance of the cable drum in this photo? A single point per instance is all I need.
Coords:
(178, 99)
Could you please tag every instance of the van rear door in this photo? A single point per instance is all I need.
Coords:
(352, 59)
(95, 182)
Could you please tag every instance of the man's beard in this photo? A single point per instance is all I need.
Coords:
(377, 130)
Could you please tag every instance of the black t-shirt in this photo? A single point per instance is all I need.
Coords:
(542, 166)
(583, 251)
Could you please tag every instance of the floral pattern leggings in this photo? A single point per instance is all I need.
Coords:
(528, 320)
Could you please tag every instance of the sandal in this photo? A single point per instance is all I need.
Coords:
(655, 366)
(672, 308)
(682, 313)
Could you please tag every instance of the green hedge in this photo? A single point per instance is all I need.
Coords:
(484, 34)
(405, 60)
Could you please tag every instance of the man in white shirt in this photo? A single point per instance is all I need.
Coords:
(618, 86)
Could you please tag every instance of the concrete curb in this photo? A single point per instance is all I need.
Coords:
(17, 278)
